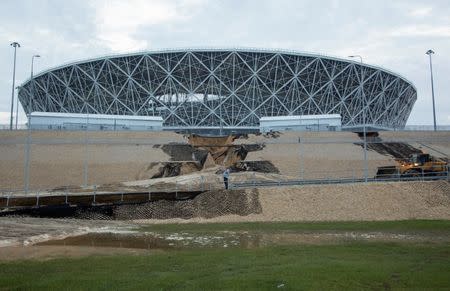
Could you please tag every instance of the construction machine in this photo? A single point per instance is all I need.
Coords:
(418, 164)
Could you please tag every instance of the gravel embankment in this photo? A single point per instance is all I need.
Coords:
(349, 202)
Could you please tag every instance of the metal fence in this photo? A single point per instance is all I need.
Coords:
(35, 143)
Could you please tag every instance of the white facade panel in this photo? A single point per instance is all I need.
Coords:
(76, 121)
(327, 122)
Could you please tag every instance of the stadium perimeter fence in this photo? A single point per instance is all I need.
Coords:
(301, 175)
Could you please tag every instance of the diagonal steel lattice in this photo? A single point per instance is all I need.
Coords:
(196, 88)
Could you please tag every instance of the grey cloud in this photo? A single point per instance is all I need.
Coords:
(66, 30)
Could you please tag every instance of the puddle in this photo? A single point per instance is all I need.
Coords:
(230, 239)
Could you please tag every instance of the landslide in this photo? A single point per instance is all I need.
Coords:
(397, 150)
(202, 153)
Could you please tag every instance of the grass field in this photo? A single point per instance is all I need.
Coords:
(351, 265)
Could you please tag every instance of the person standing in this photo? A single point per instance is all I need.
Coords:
(226, 176)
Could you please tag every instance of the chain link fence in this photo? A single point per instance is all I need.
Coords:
(96, 162)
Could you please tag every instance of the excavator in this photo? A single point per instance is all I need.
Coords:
(417, 165)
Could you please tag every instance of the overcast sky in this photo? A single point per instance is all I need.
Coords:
(391, 34)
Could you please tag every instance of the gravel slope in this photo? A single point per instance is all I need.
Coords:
(357, 202)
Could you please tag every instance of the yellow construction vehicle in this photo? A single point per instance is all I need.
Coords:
(418, 164)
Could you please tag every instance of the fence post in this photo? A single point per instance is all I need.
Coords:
(65, 192)
(149, 195)
(95, 191)
(37, 198)
(7, 199)
(300, 158)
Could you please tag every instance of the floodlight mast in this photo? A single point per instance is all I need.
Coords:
(429, 53)
(366, 166)
(15, 45)
(17, 108)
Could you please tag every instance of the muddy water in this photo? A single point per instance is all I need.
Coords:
(226, 239)
(36, 238)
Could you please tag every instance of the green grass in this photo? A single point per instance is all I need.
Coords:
(441, 226)
(343, 265)
(349, 266)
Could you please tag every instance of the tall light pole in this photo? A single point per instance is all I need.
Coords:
(366, 166)
(27, 153)
(17, 108)
(429, 53)
(15, 45)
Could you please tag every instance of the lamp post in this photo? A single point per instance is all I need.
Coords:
(429, 53)
(366, 166)
(17, 107)
(15, 45)
(27, 153)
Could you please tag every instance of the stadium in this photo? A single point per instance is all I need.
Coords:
(194, 89)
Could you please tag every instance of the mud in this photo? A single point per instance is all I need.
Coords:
(238, 239)
(29, 230)
(137, 242)
(396, 150)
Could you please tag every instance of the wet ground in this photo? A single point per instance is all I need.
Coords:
(37, 238)
(226, 239)
(126, 241)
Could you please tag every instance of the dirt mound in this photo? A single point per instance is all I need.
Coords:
(255, 166)
(395, 149)
(272, 134)
(184, 152)
(173, 169)
(211, 141)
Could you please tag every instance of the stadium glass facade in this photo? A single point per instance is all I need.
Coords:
(226, 88)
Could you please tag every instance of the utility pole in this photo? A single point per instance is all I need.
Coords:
(15, 45)
(429, 53)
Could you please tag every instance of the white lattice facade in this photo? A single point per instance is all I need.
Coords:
(204, 88)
